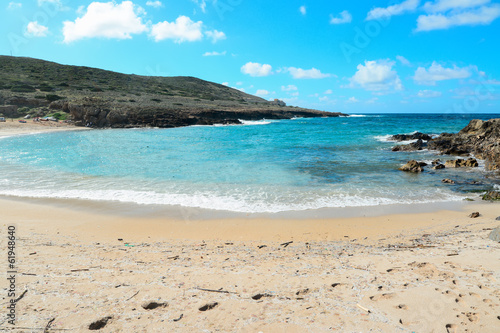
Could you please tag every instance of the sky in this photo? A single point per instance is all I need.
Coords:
(355, 57)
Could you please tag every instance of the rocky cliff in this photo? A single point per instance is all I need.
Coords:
(481, 138)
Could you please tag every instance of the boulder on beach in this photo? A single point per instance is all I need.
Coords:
(412, 166)
(495, 234)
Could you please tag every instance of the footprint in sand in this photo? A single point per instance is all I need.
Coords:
(473, 317)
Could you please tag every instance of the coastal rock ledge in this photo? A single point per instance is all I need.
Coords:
(480, 138)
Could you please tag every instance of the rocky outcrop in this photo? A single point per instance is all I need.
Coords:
(413, 166)
(459, 163)
(481, 138)
(99, 114)
(9, 111)
(492, 196)
(414, 136)
(417, 145)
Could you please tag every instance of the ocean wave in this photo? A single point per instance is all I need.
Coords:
(255, 122)
(224, 202)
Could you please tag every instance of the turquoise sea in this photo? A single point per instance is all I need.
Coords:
(261, 166)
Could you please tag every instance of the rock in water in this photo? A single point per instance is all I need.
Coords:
(412, 166)
(459, 163)
(417, 145)
(448, 181)
(414, 136)
(495, 235)
(492, 195)
(438, 166)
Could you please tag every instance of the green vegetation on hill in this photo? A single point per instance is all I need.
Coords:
(39, 88)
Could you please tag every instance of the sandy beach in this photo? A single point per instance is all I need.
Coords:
(430, 272)
(81, 268)
(14, 127)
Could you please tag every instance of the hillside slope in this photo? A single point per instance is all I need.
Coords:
(100, 98)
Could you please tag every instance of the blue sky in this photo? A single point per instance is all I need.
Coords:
(355, 57)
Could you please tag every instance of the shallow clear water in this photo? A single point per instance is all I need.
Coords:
(265, 166)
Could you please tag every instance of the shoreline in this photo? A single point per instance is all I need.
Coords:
(14, 128)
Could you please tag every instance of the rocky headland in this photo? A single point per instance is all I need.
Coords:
(98, 98)
(479, 138)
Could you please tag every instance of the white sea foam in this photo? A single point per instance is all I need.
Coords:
(223, 202)
(255, 122)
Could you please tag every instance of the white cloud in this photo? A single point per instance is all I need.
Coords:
(328, 92)
(289, 87)
(323, 99)
(214, 54)
(429, 94)
(438, 73)
(256, 69)
(14, 5)
(401, 8)
(444, 5)
(182, 30)
(481, 16)
(107, 20)
(215, 35)
(403, 60)
(225, 83)
(376, 75)
(155, 4)
(262, 92)
(352, 100)
(202, 4)
(36, 30)
(313, 73)
(303, 10)
(344, 17)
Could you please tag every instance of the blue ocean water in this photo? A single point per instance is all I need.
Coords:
(262, 166)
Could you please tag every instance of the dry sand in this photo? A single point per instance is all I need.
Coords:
(427, 272)
(14, 127)
(431, 272)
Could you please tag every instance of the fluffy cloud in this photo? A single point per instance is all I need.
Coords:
(429, 94)
(36, 30)
(352, 100)
(344, 17)
(107, 20)
(214, 53)
(376, 75)
(480, 16)
(289, 87)
(215, 35)
(262, 92)
(444, 5)
(155, 4)
(303, 10)
(182, 30)
(403, 60)
(256, 69)
(401, 8)
(438, 73)
(313, 73)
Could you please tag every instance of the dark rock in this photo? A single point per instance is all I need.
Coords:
(154, 305)
(436, 162)
(495, 234)
(498, 218)
(208, 306)
(492, 196)
(448, 181)
(474, 215)
(98, 324)
(481, 138)
(438, 166)
(459, 163)
(412, 166)
(417, 145)
(414, 136)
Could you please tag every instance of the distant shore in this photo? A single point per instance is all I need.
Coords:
(12, 127)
